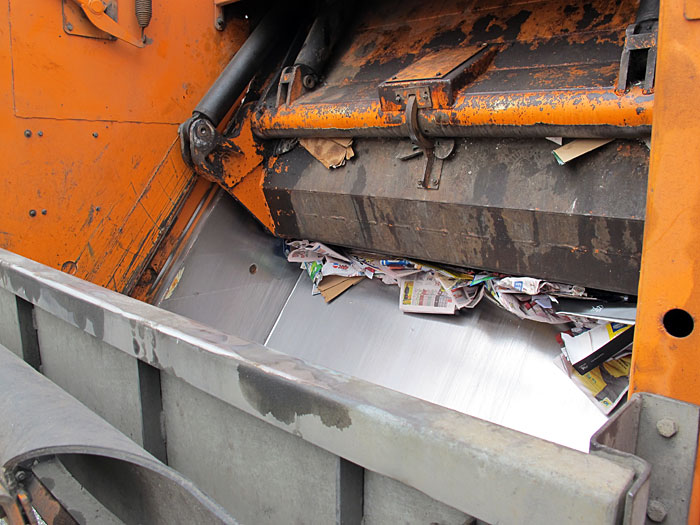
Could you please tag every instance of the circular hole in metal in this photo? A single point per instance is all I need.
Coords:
(252, 269)
(678, 323)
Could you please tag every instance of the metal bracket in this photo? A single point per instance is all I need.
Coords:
(75, 23)
(198, 140)
(436, 78)
(639, 37)
(10, 508)
(421, 94)
(435, 152)
(664, 433)
(294, 82)
(219, 18)
(96, 12)
(691, 9)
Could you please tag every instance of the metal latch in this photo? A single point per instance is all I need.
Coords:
(434, 152)
(100, 14)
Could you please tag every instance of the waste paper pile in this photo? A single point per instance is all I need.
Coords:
(596, 327)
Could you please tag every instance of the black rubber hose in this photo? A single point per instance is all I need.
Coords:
(244, 64)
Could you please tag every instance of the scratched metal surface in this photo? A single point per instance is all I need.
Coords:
(233, 277)
(484, 362)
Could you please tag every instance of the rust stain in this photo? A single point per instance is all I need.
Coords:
(84, 171)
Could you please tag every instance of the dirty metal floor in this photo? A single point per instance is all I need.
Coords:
(484, 362)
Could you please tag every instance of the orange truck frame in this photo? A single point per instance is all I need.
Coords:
(94, 183)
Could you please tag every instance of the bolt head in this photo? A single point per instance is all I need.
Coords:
(309, 81)
(44, 211)
(667, 427)
(95, 134)
(20, 475)
(656, 511)
(69, 27)
(32, 213)
(96, 6)
(40, 133)
(27, 133)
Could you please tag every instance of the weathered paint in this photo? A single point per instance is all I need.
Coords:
(101, 168)
(662, 363)
(554, 64)
(599, 107)
(503, 205)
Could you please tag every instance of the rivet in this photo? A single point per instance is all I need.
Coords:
(40, 133)
(95, 134)
(27, 133)
(32, 213)
(69, 27)
(44, 212)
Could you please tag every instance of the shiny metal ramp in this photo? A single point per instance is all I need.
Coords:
(483, 362)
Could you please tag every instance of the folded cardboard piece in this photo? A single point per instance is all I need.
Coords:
(576, 148)
(333, 285)
(592, 348)
(332, 153)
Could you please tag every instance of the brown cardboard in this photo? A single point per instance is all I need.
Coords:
(576, 148)
(332, 153)
(333, 285)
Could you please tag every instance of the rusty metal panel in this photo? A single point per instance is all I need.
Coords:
(503, 205)
(553, 71)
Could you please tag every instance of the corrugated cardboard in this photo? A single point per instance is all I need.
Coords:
(576, 148)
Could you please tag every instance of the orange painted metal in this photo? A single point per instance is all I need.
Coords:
(242, 172)
(670, 275)
(92, 172)
(95, 11)
(175, 241)
(566, 108)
